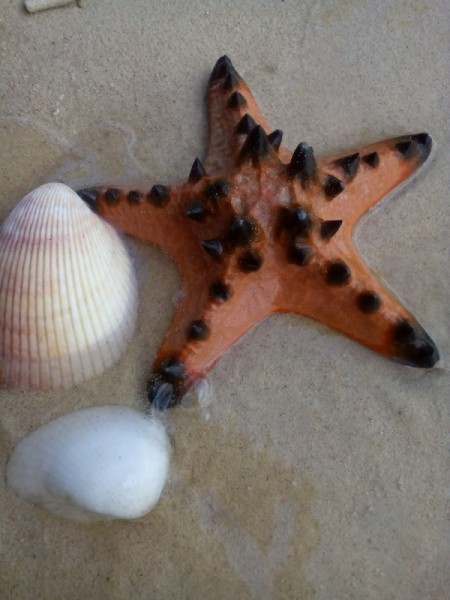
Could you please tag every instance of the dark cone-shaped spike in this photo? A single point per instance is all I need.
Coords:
(232, 80)
(198, 330)
(368, 302)
(158, 195)
(135, 197)
(213, 247)
(217, 190)
(236, 100)
(303, 164)
(296, 221)
(372, 159)
(415, 346)
(412, 146)
(160, 393)
(220, 291)
(299, 254)
(256, 147)
(196, 211)
(338, 273)
(197, 171)
(424, 142)
(349, 164)
(329, 228)
(242, 231)
(171, 369)
(332, 186)
(222, 69)
(112, 195)
(250, 261)
(275, 138)
(89, 196)
(245, 125)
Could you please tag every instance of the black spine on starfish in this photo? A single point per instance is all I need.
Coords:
(250, 261)
(236, 100)
(415, 345)
(245, 125)
(242, 230)
(295, 221)
(222, 69)
(349, 164)
(332, 186)
(112, 195)
(89, 196)
(329, 228)
(166, 385)
(196, 211)
(135, 197)
(158, 195)
(198, 330)
(369, 302)
(256, 147)
(299, 254)
(275, 138)
(197, 171)
(412, 146)
(214, 247)
(372, 159)
(303, 163)
(232, 80)
(217, 190)
(338, 273)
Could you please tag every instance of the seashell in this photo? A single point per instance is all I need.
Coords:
(106, 462)
(33, 6)
(68, 293)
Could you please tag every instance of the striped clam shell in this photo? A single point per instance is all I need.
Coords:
(68, 294)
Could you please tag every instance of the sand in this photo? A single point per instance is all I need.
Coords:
(319, 469)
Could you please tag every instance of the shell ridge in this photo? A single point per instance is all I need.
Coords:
(25, 260)
(75, 302)
(97, 327)
(50, 225)
(122, 289)
(128, 293)
(19, 376)
(5, 299)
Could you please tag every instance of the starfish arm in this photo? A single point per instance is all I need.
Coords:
(368, 174)
(232, 112)
(210, 318)
(352, 300)
(153, 215)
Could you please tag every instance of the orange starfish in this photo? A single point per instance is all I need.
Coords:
(257, 230)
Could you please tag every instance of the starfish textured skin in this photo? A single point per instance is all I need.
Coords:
(257, 229)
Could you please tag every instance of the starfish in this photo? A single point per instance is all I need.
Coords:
(257, 229)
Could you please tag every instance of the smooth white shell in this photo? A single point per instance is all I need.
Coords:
(107, 462)
(33, 6)
(68, 293)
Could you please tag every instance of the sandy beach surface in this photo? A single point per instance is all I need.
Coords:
(318, 469)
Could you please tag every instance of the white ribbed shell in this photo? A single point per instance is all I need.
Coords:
(67, 292)
(105, 462)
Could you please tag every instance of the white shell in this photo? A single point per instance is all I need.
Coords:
(107, 462)
(68, 294)
(33, 6)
